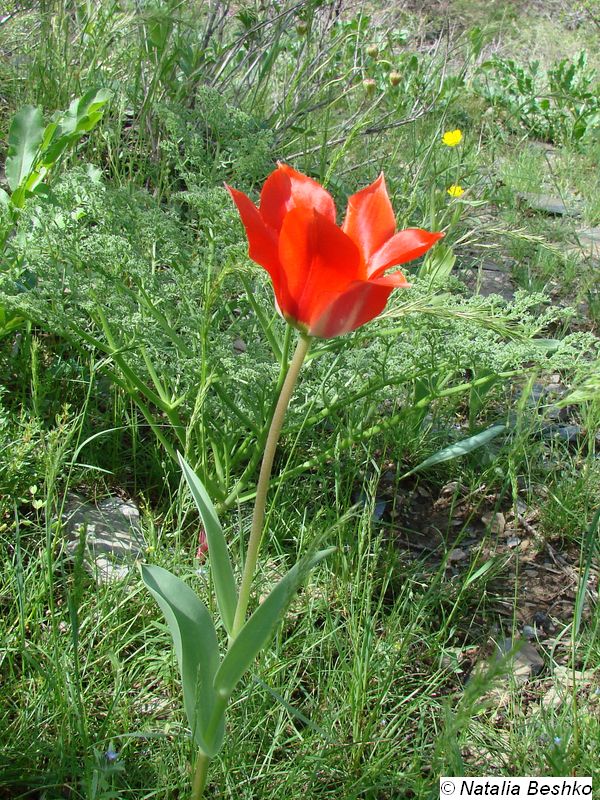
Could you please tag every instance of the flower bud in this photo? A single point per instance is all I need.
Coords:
(395, 78)
(372, 51)
(369, 85)
(301, 28)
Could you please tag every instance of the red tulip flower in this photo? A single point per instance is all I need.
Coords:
(327, 280)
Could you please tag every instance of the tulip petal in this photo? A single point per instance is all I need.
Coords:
(262, 243)
(370, 219)
(359, 304)
(404, 246)
(285, 189)
(319, 263)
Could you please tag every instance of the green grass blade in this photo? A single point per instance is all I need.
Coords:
(260, 627)
(196, 648)
(220, 563)
(589, 546)
(459, 449)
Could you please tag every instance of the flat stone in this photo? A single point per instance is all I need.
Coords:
(495, 522)
(491, 279)
(589, 239)
(458, 554)
(111, 532)
(565, 681)
(568, 433)
(549, 204)
(524, 662)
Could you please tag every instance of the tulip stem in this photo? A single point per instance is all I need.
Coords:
(258, 517)
(200, 775)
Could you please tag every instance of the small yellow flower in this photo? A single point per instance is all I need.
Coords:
(452, 138)
(455, 190)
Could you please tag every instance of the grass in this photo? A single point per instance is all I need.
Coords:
(143, 329)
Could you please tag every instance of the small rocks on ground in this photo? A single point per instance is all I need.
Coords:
(548, 204)
(111, 534)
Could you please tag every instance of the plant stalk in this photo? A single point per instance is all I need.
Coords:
(200, 775)
(258, 517)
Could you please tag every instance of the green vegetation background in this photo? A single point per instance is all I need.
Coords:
(132, 324)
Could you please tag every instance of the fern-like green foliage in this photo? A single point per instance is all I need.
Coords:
(111, 269)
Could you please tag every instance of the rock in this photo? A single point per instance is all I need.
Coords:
(379, 506)
(457, 554)
(111, 532)
(524, 660)
(514, 541)
(589, 239)
(568, 433)
(492, 278)
(239, 346)
(549, 205)
(497, 522)
(542, 620)
(565, 680)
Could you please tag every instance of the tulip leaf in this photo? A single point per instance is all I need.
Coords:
(459, 448)
(220, 563)
(197, 652)
(24, 139)
(259, 629)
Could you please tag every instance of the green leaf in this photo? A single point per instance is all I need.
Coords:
(259, 629)
(479, 572)
(437, 265)
(459, 449)
(220, 563)
(68, 126)
(4, 198)
(197, 652)
(84, 112)
(24, 138)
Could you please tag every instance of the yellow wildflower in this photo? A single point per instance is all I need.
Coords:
(455, 190)
(452, 138)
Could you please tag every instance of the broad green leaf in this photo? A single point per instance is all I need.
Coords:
(67, 127)
(259, 629)
(459, 448)
(9, 322)
(220, 563)
(24, 139)
(4, 198)
(196, 648)
(49, 132)
(84, 112)
(547, 345)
